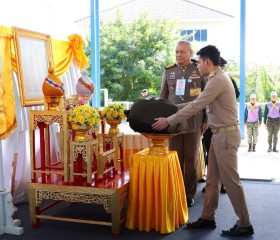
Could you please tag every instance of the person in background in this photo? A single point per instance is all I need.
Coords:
(144, 93)
(271, 120)
(253, 120)
(222, 114)
(206, 140)
(182, 83)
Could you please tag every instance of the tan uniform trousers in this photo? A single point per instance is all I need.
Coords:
(187, 147)
(222, 165)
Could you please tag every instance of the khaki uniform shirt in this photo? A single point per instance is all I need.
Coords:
(219, 99)
(194, 83)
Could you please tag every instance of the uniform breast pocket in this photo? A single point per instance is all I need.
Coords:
(171, 85)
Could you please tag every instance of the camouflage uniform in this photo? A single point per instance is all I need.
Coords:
(253, 117)
(272, 119)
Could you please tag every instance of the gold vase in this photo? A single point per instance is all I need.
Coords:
(113, 125)
(158, 143)
(80, 133)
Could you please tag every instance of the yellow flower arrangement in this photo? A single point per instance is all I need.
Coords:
(114, 111)
(84, 116)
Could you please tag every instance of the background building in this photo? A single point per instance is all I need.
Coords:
(208, 25)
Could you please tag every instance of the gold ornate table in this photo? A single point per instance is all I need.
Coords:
(157, 198)
(42, 119)
(82, 153)
(110, 194)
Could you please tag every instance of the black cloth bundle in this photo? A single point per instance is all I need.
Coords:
(144, 111)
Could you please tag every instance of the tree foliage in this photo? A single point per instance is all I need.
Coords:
(262, 80)
(259, 79)
(133, 55)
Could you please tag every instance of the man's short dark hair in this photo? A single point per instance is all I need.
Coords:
(210, 52)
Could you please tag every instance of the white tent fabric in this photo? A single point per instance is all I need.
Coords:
(19, 142)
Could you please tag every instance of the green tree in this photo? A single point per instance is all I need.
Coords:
(262, 79)
(133, 55)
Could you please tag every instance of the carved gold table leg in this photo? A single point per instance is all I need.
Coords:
(32, 206)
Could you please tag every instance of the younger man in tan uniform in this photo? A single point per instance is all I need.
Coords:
(219, 97)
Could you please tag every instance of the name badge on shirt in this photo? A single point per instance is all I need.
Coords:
(195, 91)
(180, 87)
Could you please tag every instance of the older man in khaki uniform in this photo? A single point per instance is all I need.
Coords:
(182, 83)
(219, 97)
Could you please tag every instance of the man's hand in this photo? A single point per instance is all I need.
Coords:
(204, 128)
(160, 124)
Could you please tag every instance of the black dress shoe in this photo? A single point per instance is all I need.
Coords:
(223, 190)
(203, 189)
(190, 202)
(239, 231)
(202, 223)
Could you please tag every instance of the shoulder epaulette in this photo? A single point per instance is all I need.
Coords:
(194, 61)
(170, 66)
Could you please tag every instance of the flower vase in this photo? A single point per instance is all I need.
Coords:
(113, 125)
(80, 133)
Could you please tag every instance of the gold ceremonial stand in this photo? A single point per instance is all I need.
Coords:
(83, 152)
(42, 120)
(73, 178)
(111, 194)
(110, 156)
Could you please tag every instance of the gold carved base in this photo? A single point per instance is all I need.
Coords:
(159, 143)
(114, 126)
(53, 103)
(80, 133)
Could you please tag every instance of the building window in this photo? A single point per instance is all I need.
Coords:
(198, 35)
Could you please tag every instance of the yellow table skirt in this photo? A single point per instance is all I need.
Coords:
(157, 198)
(133, 143)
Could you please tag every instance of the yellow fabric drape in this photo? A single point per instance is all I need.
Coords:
(63, 53)
(157, 198)
(7, 102)
(77, 45)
